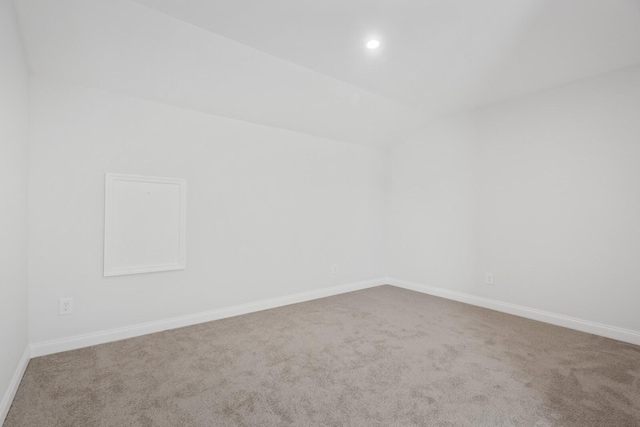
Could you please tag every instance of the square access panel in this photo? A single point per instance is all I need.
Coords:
(145, 224)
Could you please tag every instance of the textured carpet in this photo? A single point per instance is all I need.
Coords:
(379, 357)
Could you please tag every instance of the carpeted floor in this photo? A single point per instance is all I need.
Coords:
(379, 357)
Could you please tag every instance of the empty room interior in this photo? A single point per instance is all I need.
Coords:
(320, 213)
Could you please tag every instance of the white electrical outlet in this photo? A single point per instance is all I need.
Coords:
(334, 269)
(65, 306)
(488, 278)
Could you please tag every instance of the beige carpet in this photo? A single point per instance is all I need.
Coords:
(379, 357)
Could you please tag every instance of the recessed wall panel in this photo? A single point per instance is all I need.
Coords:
(145, 221)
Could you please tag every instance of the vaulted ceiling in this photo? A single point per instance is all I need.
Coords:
(302, 65)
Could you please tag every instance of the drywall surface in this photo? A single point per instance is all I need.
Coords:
(269, 211)
(125, 47)
(14, 153)
(433, 212)
(543, 192)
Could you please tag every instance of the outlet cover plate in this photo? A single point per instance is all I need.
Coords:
(488, 278)
(65, 306)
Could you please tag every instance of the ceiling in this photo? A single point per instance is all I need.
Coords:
(302, 65)
(436, 55)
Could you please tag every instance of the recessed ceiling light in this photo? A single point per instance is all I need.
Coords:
(373, 44)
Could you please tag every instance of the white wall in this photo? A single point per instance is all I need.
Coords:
(543, 191)
(268, 210)
(433, 210)
(13, 201)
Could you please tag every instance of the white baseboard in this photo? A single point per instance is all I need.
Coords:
(14, 384)
(87, 340)
(613, 332)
